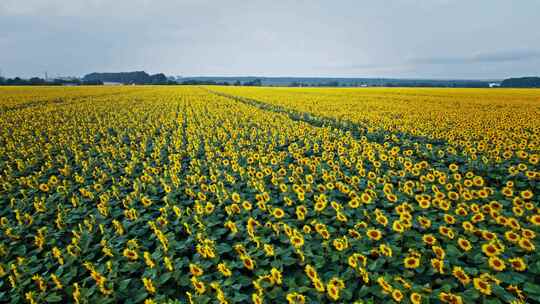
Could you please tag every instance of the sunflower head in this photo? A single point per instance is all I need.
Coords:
(411, 262)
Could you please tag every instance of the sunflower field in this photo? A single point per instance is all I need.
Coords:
(194, 194)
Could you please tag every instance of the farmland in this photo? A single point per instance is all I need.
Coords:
(147, 194)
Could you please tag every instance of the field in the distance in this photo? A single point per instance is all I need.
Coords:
(269, 195)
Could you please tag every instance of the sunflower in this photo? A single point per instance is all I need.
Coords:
(131, 254)
(333, 292)
(268, 249)
(235, 208)
(535, 219)
(449, 219)
(354, 234)
(231, 226)
(235, 197)
(448, 232)
(148, 259)
(352, 261)
(325, 234)
(490, 250)
(508, 192)
(149, 285)
(429, 239)
(337, 282)
(496, 263)
(416, 298)
(528, 234)
(341, 217)
(168, 263)
(501, 220)
(297, 241)
(276, 276)
(424, 204)
(444, 205)
(385, 250)
(391, 197)
(387, 288)
(527, 194)
(295, 298)
(406, 222)
(198, 285)
(319, 286)
(278, 213)
(439, 252)
(248, 263)
(362, 259)
(464, 244)
(320, 206)
(246, 205)
(453, 195)
(512, 236)
(482, 286)
(366, 198)
(488, 236)
(195, 270)
(397, 295)
(397, 227)
(438, 265)
(353, 203)
(225, 271)
(450, 298)
(338, 244)
(411, 262)
(167, 188)
(478, 181)
(518, 264)
(311, 272)
(44, 187)
(461, 275)
(518, 211)
(146, 201)
(374, 234)
(381, 219)
(526, 244)
(54, 278)
(424, 222)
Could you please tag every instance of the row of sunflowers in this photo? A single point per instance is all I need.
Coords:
(266, 195)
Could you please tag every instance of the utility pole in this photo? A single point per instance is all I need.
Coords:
(46, 76)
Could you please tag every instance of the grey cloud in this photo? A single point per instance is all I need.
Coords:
(508, 56)
(517, 55)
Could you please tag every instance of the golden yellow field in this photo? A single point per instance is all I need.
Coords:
(148, 194)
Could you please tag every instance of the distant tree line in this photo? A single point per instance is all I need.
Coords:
(138, 77)
(36, 81)
(251, 83)
(397, 83)
(320, 84)
(456, 84)
(523, 82)
(203, 82)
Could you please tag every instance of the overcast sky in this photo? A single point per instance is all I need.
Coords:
(401, 38)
